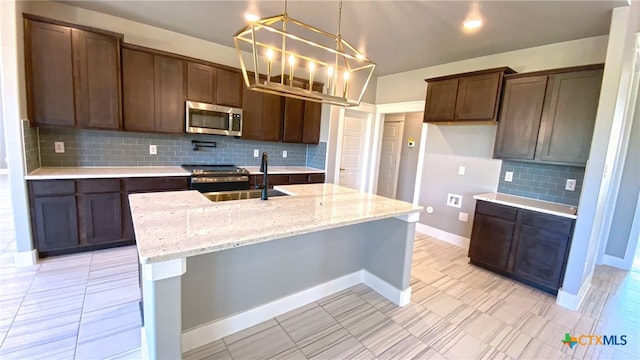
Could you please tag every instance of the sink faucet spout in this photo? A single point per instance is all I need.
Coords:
(265, 176)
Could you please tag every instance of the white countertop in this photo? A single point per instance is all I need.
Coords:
(254, 170)
(547, 207)
(172, 225)
(94, 172)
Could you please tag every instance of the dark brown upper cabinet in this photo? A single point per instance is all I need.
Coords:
(520, 117)
(96, 60)
(467, 97)
(201, 83)
(302, 118)
(548, 116)
(229, 85)
(73, 74)
(169, 94)
(153, 91)
(261, 116)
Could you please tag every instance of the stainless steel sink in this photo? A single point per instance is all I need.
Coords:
(240, 194)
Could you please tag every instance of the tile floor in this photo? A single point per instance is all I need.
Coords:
(85, 307)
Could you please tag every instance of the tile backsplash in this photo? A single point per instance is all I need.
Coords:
(31, 155)
(316, 155)
(117, 148)
(541, 181)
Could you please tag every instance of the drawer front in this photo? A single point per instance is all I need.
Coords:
(298, 179)
(316, 178)
(499, 211)
(52, 187)
(546, 222)
(278, 180)
(156, 184)
(98, 186)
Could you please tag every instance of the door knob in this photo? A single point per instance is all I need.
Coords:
(342, 169)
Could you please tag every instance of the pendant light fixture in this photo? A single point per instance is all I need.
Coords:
(283, 56)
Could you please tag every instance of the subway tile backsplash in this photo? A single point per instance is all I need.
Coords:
(541, 181)
(117, 148)
(30, 136)
(316, 155)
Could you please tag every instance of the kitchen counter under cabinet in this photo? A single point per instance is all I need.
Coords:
(522, 242)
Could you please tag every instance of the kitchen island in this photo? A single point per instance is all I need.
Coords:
(211, 269)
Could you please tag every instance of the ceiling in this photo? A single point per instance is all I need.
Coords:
(397, 35)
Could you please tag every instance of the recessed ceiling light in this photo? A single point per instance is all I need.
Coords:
(472, 24)
(251, 17)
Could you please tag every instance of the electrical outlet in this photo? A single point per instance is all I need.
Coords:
(571, 185)
(508, 176)
(463, 216)
(58, 147)
(284, 153)
(153, 149)
(461, 170)
(256, 152)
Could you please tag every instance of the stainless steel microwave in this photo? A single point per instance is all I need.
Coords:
(205, 118)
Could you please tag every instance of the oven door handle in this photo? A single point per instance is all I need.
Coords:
(217, 179)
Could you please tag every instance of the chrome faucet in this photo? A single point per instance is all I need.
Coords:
(265, 176)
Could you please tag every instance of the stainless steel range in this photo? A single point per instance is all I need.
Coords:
(213, 178)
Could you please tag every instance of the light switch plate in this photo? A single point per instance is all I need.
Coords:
(256, 152)
(58, 147)
(571, 185)
(284, 153)
(461, 170)
(508, 176)
(463, 216)
(153, 149)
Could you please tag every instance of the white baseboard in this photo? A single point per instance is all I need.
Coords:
(26, 258)
(218, 329)
(616, 262)
(573, 301)
(443, 235)
(399, 297)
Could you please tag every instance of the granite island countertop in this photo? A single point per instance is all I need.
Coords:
(547, 207)
(173, 225)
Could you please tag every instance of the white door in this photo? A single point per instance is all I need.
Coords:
(351, 152)
(389, 158)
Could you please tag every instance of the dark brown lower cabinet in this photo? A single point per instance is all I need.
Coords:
(55, 222)
(287, 179)
(82, 215)
(526, 245)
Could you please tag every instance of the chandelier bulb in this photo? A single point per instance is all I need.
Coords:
(270, 54)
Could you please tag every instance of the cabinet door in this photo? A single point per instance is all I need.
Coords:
(100, 218)
(271, 117)
(441, 100)
(491, 240)
(569, 116)
(316, 178)
(293, 120)
(312, 119)
(55, 222)
(252, 114)
(169, 95)
(138, 92)
(520, 118)
(477, 97)
(540, 255)
(49, 74)
(201, 83)
(96, 67)
(229, 86)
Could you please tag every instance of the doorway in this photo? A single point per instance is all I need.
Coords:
(352, 151)
(390, 155)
